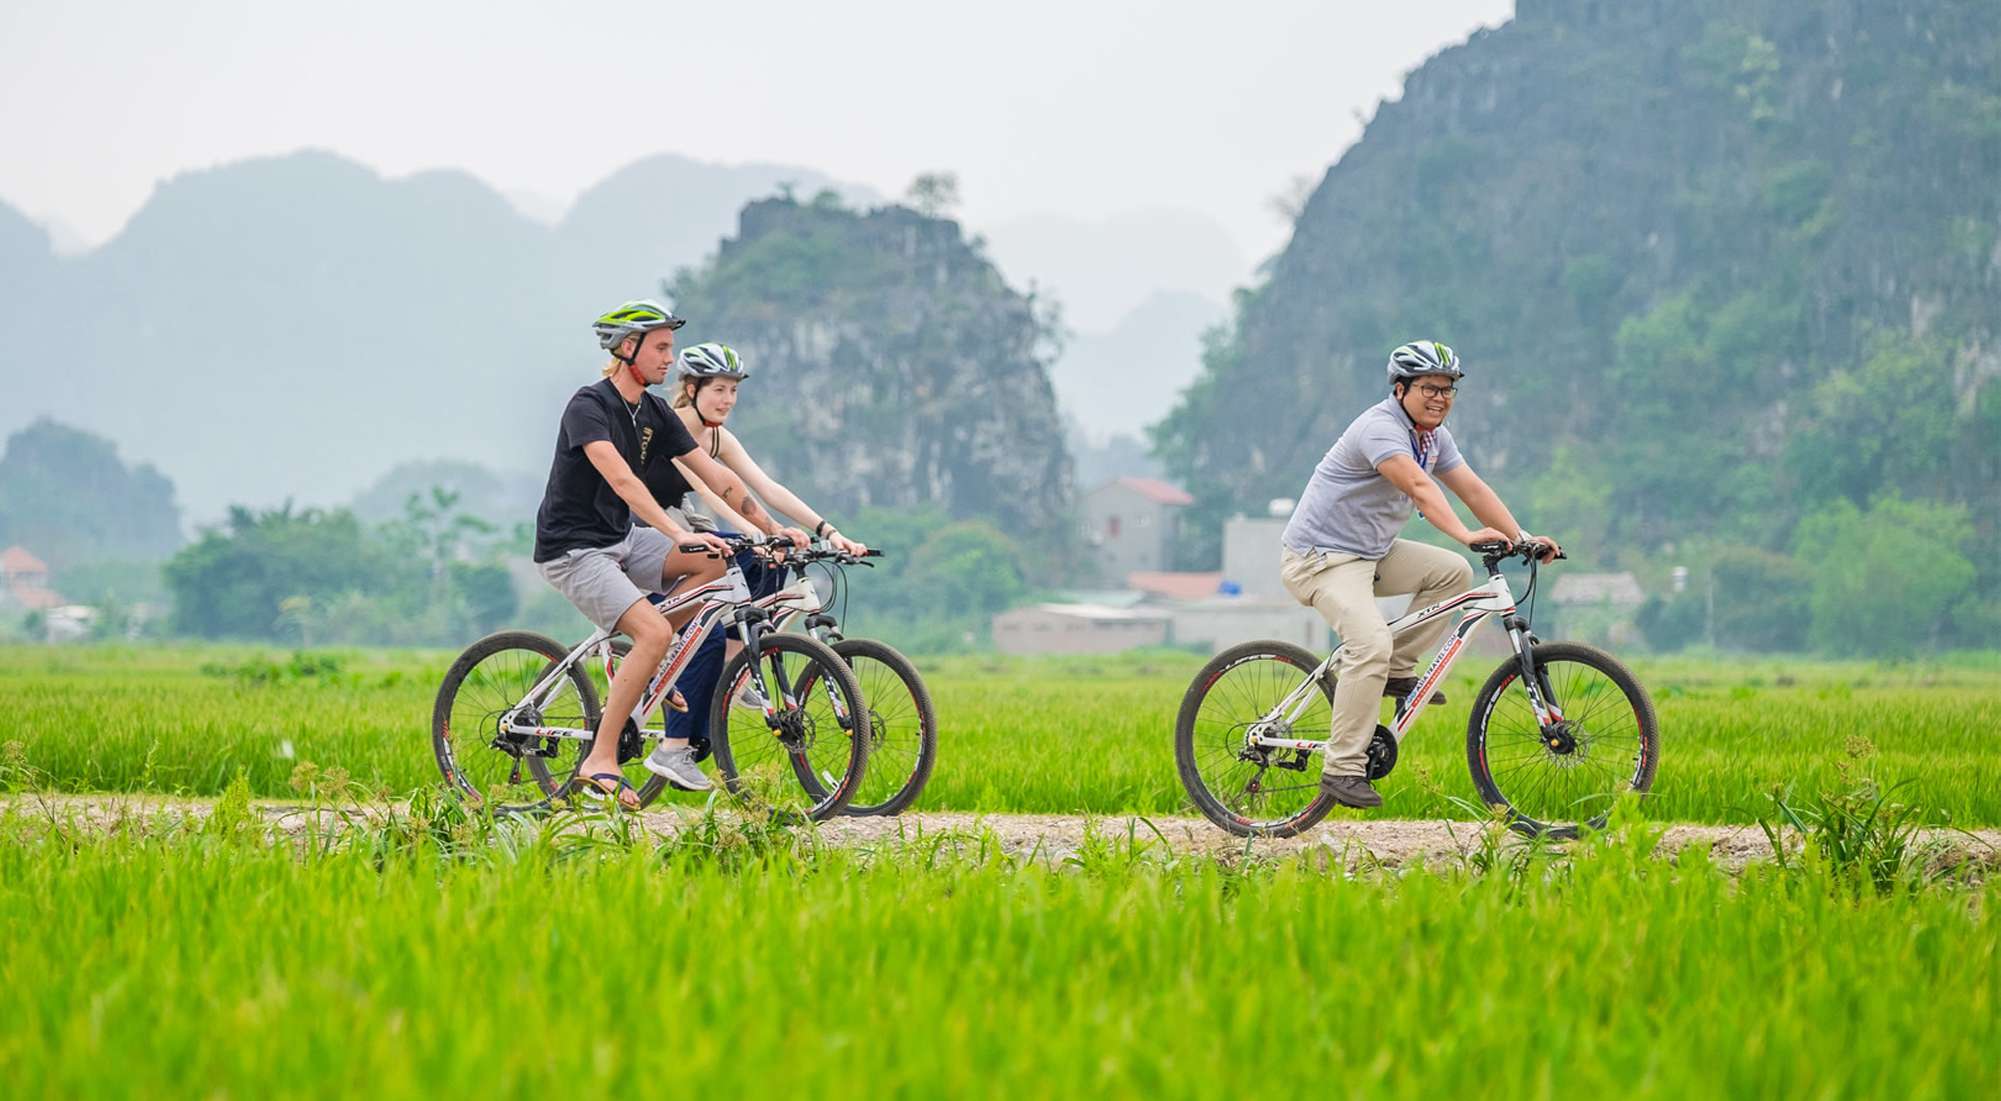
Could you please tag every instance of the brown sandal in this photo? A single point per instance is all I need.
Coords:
(676, 701)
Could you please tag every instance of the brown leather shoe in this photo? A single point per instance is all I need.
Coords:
(1350, 791)
(1399, 688)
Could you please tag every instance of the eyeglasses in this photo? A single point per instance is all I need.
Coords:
(1430, 391)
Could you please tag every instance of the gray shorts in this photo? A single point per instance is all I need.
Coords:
(605, 582)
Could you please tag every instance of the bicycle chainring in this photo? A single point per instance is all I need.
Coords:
(1382, 753)
(631, 746)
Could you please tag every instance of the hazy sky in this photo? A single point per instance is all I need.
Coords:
(1075, 107)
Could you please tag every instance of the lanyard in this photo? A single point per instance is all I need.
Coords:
(1420, 446)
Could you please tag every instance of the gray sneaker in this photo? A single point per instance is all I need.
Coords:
(1350, 791)
(678, 767)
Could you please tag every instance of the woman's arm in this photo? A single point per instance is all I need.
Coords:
(724, 514)
(784, 500)
(736, 496)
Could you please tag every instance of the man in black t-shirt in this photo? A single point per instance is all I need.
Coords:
(613, 432)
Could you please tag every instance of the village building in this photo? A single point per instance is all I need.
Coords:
(1133, 524)
(1077, 629)
(24, 583)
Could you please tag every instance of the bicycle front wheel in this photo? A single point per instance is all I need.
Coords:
(903, 727)
(1246, 789)
(798, 756)
(488, 765)
(1551, 781)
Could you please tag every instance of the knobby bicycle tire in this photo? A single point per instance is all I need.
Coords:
(827, 782)
(890, 787)
(1221, 734)
(1600, 719)
(464, 751)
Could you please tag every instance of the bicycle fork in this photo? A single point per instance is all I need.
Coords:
(1542, 699)
(751, 631)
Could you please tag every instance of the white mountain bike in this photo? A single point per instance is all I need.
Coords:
(517, 711)
(1557, 733)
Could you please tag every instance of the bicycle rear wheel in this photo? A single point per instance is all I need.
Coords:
(487, 765)
(800, 756)
(1553, 781)
(1253, 791)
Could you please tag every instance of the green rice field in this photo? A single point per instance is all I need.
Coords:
(1054, 735)
(410, 961)
(423, 952)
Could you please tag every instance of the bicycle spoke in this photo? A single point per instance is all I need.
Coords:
(1257, 788)
(1598, 751)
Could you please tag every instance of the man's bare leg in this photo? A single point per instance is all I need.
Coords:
(691, 570)
(650, 634)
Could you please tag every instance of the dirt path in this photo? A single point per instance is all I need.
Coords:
(1051, 836)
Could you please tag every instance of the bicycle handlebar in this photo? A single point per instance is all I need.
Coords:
(815, 551)
(1495, 551)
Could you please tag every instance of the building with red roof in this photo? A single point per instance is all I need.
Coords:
(24, 581)
(1133, 523)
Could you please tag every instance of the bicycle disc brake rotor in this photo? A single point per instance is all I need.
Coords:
(795, 729)
(1565, 744)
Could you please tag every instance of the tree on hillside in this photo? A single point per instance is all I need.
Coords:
(1710, 265)
(1890, 422)
(934, 194)
(1888, 579)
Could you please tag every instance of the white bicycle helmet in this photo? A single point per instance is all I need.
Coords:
(712, 360)
(1423, 357)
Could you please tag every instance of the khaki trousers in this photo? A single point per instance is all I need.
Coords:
(1343, 589)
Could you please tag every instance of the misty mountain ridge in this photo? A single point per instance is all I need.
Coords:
(293, 326)
(339, 322)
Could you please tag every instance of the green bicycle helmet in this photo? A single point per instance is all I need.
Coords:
(641, 315)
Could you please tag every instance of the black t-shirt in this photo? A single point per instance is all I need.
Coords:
(579, 508)
(664, 480)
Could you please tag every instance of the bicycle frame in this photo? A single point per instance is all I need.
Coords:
(724, 595)
(1474, 605)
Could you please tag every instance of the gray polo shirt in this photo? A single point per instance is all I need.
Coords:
(1348, 506)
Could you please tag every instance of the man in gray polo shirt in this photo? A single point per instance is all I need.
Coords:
(1342, 551)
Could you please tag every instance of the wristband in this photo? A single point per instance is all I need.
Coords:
(821, 529)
